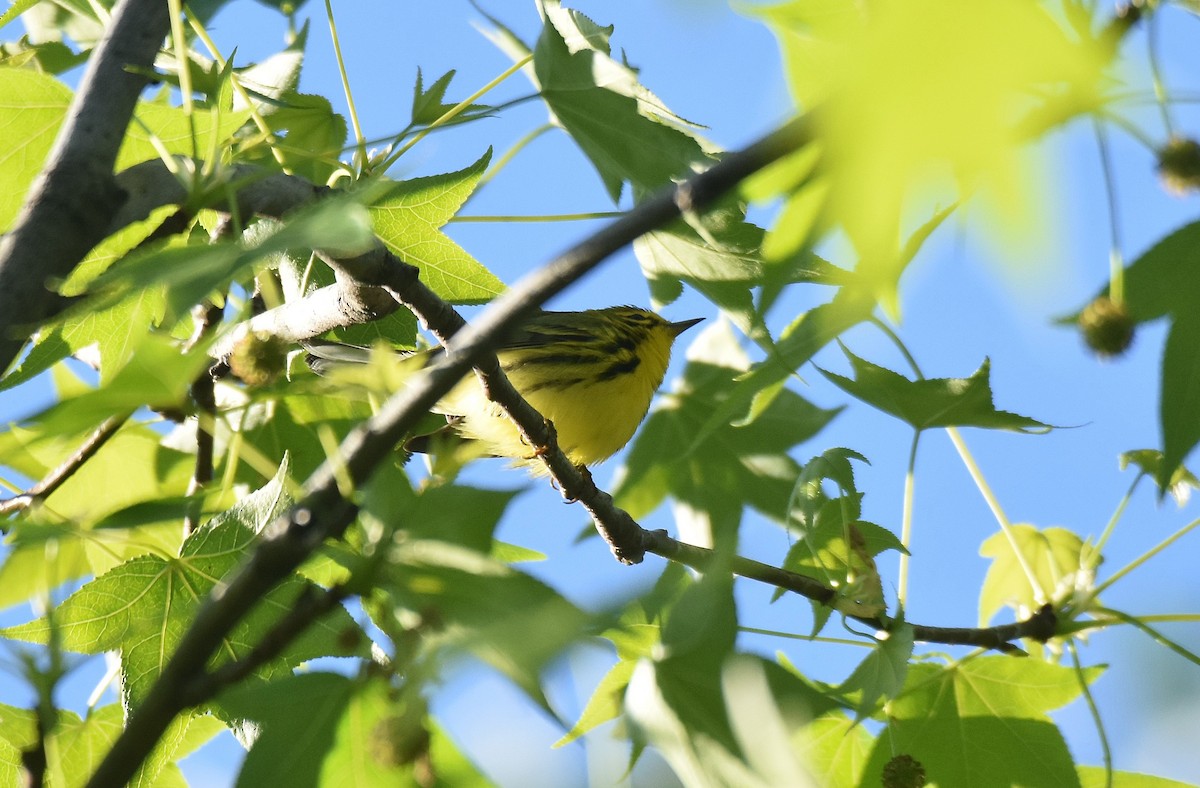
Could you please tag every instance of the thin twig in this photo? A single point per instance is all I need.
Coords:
(203, 392)
(55, 478)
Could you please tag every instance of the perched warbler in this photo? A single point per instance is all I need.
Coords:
(591, 373)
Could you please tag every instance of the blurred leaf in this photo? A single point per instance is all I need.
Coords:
(1162, 281)
(1180, 396)
(336, 224)
(1150, 462)
(1094, 777)
(623, 128)
(719, 473)
(807, 334)
(143, 607)
(407, 217)
(157, 374)
(299, 718)
(478, 605)
(717, 253)
(931, 402)
(327, 729)
(1055, 555)
(903, 92)
(33, 106)
(882, 673)
(760, 728)
(605, 704)
(834, 749)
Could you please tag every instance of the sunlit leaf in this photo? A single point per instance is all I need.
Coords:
(982, 724)
(33, 106)
(142, 607)
(1054, 555)
(407, 217)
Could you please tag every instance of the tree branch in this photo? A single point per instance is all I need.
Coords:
(324, 514)
(77, 188)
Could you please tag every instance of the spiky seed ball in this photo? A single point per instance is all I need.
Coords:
(1107, 327)
(258, 359)
(903, 771)
(1179, 165)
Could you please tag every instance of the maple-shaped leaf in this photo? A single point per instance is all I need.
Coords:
(1061, 563)
(143, 607)
(982, 723)
(407, 217)
(429, 105)
(715, 475)
(932, 402)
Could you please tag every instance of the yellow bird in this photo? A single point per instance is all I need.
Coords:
(591, 373)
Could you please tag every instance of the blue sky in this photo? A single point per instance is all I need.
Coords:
(963, 300)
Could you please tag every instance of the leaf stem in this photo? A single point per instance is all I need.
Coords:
(994, 504)
(1116, 516)
(1091, 702)
(906, 521)
(511, 153)
(1155, 635)
(1146, 556)
(453, 112)
(183, 66)
(1116, 263)
(359, 139)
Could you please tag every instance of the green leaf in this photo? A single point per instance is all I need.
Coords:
(1163, 280)
(157, 374)
(729, 467)
(429, 105)
(479, 603)
(834, 749)
(407, 217)
(1181, 483)
(142, 607)
(314, 135)
(33, 106)
(299, 717)
(1094, 777)
(337, 224)
(882, 673)
(178, 134)
(982, 724)
(1180, 398)
(326, 729)
(605, 703)
(624, 129)
(1056, 558)
(717, 253)
(932, 402)
(807, 334)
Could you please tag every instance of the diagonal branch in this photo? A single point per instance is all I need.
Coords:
(324, 513)
(77, 188)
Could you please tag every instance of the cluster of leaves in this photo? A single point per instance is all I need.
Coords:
(421, 559)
